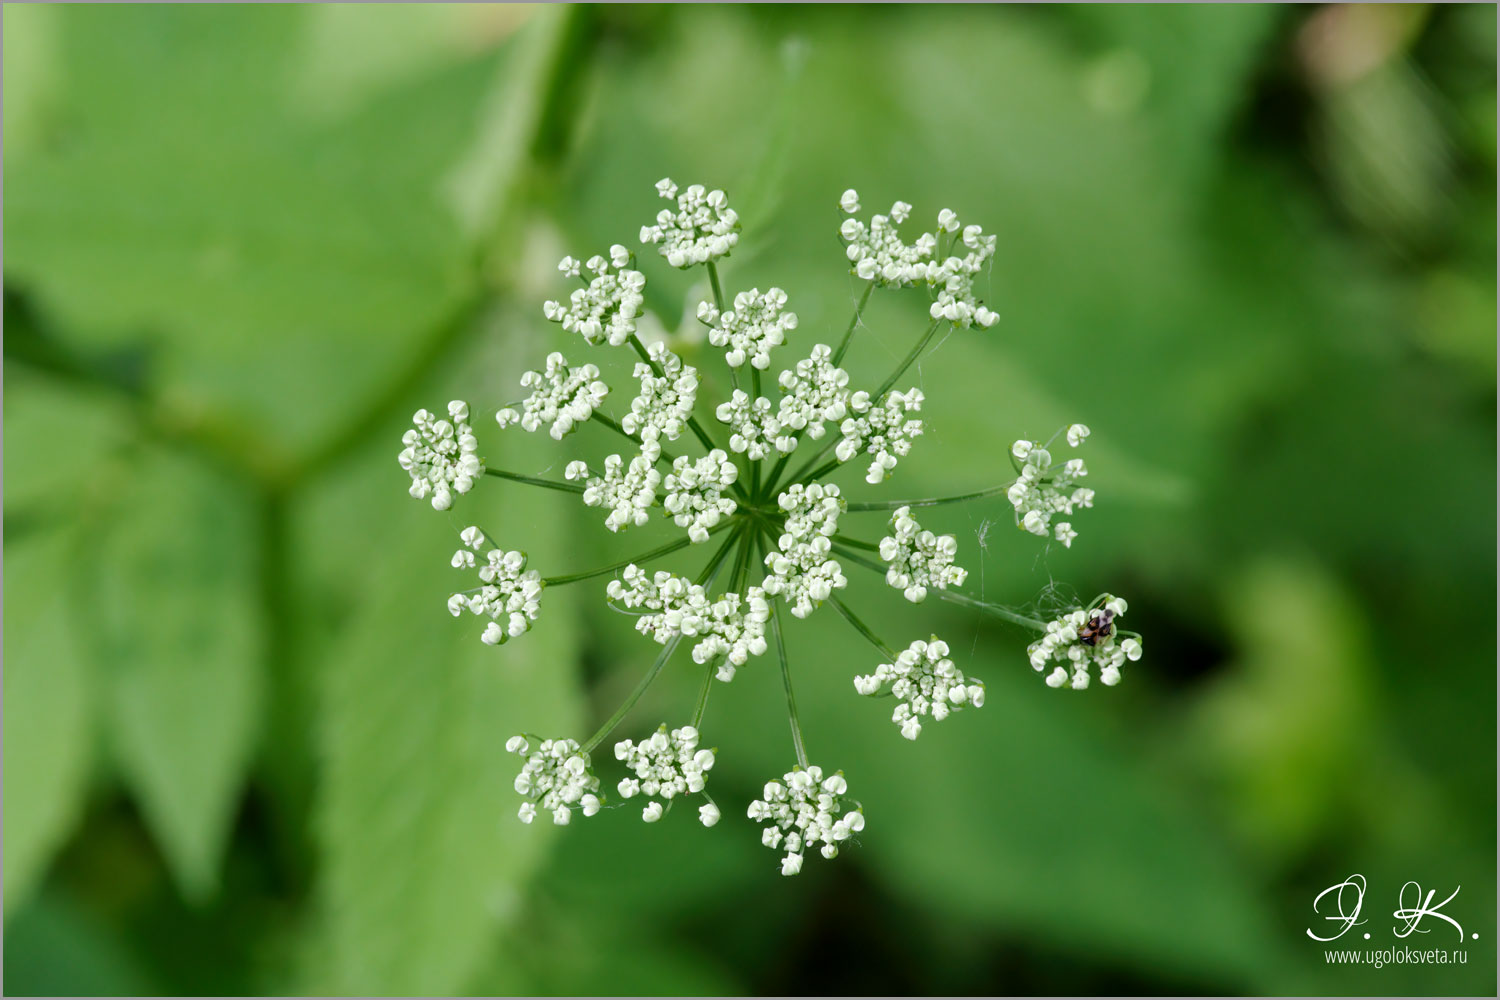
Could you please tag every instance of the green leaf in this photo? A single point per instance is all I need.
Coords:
(423, 856)
(55, 435)
(283, 265)
(173, 597)
(48, 736)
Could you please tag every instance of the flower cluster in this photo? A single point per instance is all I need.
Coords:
(925, 683)
(754, 431)
(508, 591)
(1043, 491)
(605, 309)
(1082, 639)
(704, 228)
(750, 330)
(441, 455)
(783, 525)
(878, 254)
(561, 398)
(804, 810)
(628, 490)
(695, 492)
(668, 391)
(918, 559)
(802, 571)
(884, 431)
(663, 767)
(557, 777)
(729, 628)
(813, 392)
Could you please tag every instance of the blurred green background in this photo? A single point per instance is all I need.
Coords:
(246, 749)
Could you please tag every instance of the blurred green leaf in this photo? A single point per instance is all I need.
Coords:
(423, 857)
(55, 948)
(173, 595)
(55, 434)
(48, 732)
(284, 267)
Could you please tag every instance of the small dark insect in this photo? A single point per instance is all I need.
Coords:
(1098, 628)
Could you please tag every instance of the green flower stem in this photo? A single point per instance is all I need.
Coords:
(951, 596)
(702, 703)
(634, 696)
(862, 628)
(681, 543)
(858, 559)
(954, 597)
(870, 505)
(551, 484)
(775, 476)
(843, 347)
(786, 682)
(856, 543)
(910, 359)
(711, 570)
(614, 425)
(713, 279)
(820, 471)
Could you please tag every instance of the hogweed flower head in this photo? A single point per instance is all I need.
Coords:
(918, 559)
(606, 308)
(509, 594)
(804, 810)
(664, 766)
(704, 228)
(1043, 490)
(925, 683)
(557, 777)
(756, 325)
(441, 455)
(1082, 639)
(782, 544)
(561, 398)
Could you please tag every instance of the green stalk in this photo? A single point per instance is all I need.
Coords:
(965, 600)
(843, 347)
(988, 491)
(681, 543)
(862, 628)
(910, 359)
(786, 682)
(614, 425)
(632, 698)
(551, 484)
(713, 279)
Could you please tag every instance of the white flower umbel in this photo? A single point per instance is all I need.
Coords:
(925, 683)
(805, 810)
(755, 431)
(606, 308)
(885, 432)
(664, 766)
(813, 392)
(1044, 490)
(509, 594)
(627, 490)
(802, 571)
(561, 398)
(752, 329)
(441, 455)
(728, 628)
(665, 402)
(918, 560)
(1083, 639)
(556, 777)
(695, 492)
(704, 228)
(946, 264)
